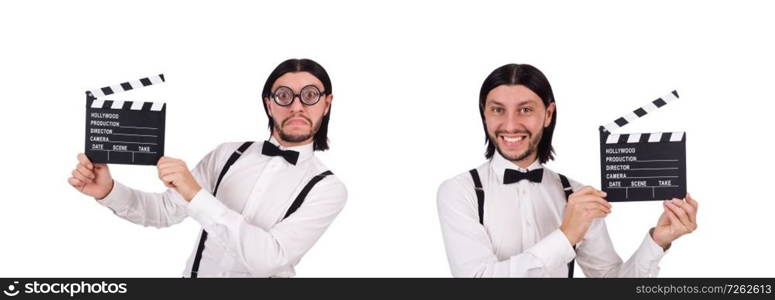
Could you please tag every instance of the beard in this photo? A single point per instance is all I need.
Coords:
(532, 146)
(296, 138)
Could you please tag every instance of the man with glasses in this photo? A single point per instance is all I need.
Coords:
(261, 205)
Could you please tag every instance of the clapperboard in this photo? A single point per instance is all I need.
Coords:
(124, 132)
(642, 166)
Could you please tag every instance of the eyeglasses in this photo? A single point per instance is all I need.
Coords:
(284, 96)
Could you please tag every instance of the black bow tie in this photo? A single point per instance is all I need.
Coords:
(512, 176)
(272, 150)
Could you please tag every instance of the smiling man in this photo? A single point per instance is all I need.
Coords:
(261, 205)
(513, 217)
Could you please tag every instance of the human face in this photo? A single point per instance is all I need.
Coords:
(515, 118)
(297, 123)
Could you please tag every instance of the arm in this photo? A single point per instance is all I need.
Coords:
(144, 208)
(156, 209)
(597, 257)
(266, 250)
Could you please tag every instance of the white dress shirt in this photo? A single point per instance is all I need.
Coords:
(246, 234)
(521, 235)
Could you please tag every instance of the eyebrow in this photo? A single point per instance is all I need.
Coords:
(304, 86)
(531, 101)
(495, 102)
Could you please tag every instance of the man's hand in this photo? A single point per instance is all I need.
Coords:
(679, 218)
(583, 207)
(91, 179)
(174, 173)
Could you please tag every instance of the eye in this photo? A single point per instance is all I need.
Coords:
(310, 94)
(526, 110)
(496, 109)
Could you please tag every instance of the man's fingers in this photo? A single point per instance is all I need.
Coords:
(585, 190)
(598, 212)
(673, 218)
(595, 199)
(682, 216)
(594, 207)
(171, 164)
(163, 175)
(598, 206)
(85, 172)
(170, 177)
(602, 202)
(688, 208)
(82, 159)
(168, 167)
(168, 180)
(691, 201)
(171, 170)
(588, 190)
(167, 160)
(164, 161)
(691, 207)
(80, 177)
(75, 182)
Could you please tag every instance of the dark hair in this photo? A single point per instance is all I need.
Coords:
(320, 140)
(532, 78)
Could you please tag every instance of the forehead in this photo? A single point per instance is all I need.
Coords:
(297, 80)
(512, 94)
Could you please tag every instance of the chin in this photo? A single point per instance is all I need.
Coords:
(295, 137)
(297, 131)
(514, 155)
(512, 152)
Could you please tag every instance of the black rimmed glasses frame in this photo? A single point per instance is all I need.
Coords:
(309, 95)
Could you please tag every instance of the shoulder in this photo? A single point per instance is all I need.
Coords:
(227, 148)
(330, 183)
(555, 176)
(461, 185)
(217, 157)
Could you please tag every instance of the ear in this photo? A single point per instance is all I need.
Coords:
(268, 104)
(549, 114)
(328, 100)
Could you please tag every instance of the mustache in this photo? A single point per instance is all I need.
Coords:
(499, 132)
(297, 116)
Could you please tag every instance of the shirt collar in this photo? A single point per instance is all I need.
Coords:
(305, 151)
(499, 164)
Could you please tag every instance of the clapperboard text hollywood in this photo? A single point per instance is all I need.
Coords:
(643, 166)
(124, 132)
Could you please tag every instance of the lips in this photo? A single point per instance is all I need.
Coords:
(296, 121)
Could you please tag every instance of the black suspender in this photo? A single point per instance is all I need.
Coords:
(303, 194)
(294, 206)
(480, 201)
(568, 191)
(233, 158)
(479, 194)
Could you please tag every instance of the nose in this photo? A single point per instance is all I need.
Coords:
(296, 105)
(513, 122)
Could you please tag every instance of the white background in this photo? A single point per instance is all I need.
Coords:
(406, 77)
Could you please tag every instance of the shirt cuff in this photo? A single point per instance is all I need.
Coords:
(119, 193)
(651, 249)
(206, 209)
(554, 250)
(648, 256)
